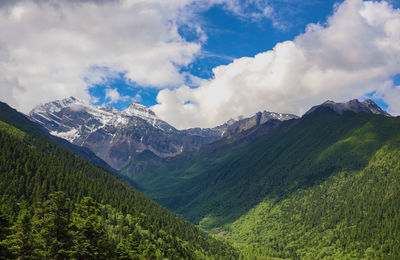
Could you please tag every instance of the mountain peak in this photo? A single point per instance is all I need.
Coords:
(354, 105)
(136, 105)
(69, 101)
(139, 110)
(57, 105)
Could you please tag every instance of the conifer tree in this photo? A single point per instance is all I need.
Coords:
(90, 237)
(4, 232)
(53, 227)
(21, 241)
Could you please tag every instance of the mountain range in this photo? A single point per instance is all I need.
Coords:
(57, 205)
(118, 136)
(322, 186)
(22, 122)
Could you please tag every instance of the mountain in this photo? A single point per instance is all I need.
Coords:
(354, 105)
(113, 135)
(23, 123)
(232, 126)
(119, 136)
(56, 205)
(322, 186)
(255, 121)
(140, 165)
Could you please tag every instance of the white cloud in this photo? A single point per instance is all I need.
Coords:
(392, 96)
(54, 49)
(137, 98)
(113, 96)
(49, 48)
(355, 53)
(254, 10)
(251, 8)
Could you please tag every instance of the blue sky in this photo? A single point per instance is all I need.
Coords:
(126, 88)
(229, 36)
(200, 63)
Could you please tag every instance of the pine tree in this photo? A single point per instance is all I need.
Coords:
(53, 227)
(4, 232)
(90, 237)
(32, 168)
(22, 242)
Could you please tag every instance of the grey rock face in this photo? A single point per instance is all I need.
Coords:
(236, 126)
(113, 135)
(256, 120)
(354, 105)
(117, 136)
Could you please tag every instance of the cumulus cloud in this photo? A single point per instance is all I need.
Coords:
(254, 9)
(113, 96)
(54, 49)
(355, 53)
(7, 3)
(48, 48)
(51, 49)
(137, 98)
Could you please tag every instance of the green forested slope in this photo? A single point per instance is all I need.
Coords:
(351, 214)
(325, 185)
(92, 204)
(20, 121)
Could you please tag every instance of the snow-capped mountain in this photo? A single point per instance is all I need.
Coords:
(241, 124)
(57, 117)
(258, 119)
(113, 135)
(140, 111)
(116, 136)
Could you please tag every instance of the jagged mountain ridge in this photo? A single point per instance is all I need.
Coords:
(354, 105)
(20, 121)
(33, 167)
(116, 136)
(326, 174)
(156, 176)
(113, 135)
(232, 126)
(254, 121)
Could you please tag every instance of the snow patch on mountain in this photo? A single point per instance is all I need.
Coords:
(70, 135)
(58, 105)
(116, 136)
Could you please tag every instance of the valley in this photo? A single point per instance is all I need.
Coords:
(57, 205)
(298, 187)
(199, 130)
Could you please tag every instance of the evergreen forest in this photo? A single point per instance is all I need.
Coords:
(326, 186)
(56, 205)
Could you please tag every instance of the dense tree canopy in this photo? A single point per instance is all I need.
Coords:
(325, 185)
(56, 205)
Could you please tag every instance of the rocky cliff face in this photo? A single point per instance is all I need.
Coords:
(233, 126)
(117, 136)
(256, 120)
(113, 135)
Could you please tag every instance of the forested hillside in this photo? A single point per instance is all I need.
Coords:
(56, 205)
(326, 185)
(21, 122)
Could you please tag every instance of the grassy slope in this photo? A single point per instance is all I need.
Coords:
(281, 192)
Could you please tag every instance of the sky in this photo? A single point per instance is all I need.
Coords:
(199, 63)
